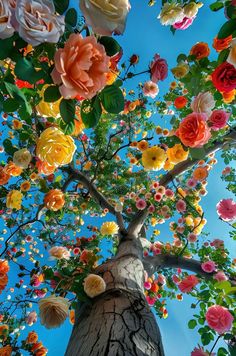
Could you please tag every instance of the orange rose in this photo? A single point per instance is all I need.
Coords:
(220, 44)
(5, 351)
(41, 352)
(228, 97)
(200, 50)
(4, 176)
(193, 130)
(3, 279)
(37, 346)
(4, 330)
(32, 338)
(180, 102)
(142, 145)
(12, 169)
(4, 267)
(54, 200)
(200, 173)
(44, 168)
(79, 125)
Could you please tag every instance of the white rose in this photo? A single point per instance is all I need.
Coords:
(171, 13)
(22, 158)
(6, 29)
(36, 21)
(94, 285)
(105, 16)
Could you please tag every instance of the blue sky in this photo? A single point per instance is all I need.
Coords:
(145, 36)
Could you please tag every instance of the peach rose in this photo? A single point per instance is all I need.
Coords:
(193, 130)
(203, 103)
(6, 29)
(36, 21)
(45, 168)
(53, 311)
(105, 16)
(219, 319)
(4, 176)
(54, 200)
(232, 54)
(80, 67)
(59, 252)
(200, 50)
(12, 169)
(22, 158)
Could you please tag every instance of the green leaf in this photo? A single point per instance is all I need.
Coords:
(71, 17)
(24, 70)
(67, 110)
(10, 105)
(223, 56)
(206, 338)
(61, 6)
(216, 6)
(192, 323)
(227, 29)
(91, 112)
(52, 94)
(231, 11)
(181, 57)
(197, 153)
(67, 127)
(118, 83)
(224, 285)
(222, 352)
(112, 99)
(111, 45)
(17, 94)
(232, 350)
(6, 47)
(9, 149)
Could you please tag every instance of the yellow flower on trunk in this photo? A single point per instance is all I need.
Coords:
(14, 199)
(109, 228)
(154, 158)
(176, 154)
(94, 285)
(55, 148)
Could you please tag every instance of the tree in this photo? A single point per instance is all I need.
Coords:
(81, 146)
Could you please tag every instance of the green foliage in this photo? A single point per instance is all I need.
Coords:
(52, 94)
(91, 111)
(24, 70)
(61, 5)
(227, 29)
(71, 17)
(112, 99)
(112, 47)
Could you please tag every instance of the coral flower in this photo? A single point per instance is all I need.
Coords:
(200, 50)
(54, 200)
(219, 318)
(188, 283)
(226, 209)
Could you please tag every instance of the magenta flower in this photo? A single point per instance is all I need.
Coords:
(185, 23)
(226, 209)
(218, 119)
(200, 352)
(208, 266)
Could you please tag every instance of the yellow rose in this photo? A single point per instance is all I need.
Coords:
(176, 154)
(94, 285)
(181, 70)
(55, 148)
(14, 199)
(22, 158)
(109, 228)
(191, 9)
(154, 158)
(48, 109)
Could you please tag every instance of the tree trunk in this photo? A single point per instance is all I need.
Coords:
(119, 322)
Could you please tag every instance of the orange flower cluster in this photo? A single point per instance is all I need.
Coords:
(4, 268)
(37, 347)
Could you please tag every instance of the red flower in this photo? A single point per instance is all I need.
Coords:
(188, 283)
(180, 102)
(159, 69)
(23, 84)
(224, 77)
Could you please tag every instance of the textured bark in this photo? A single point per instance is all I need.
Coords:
(119, 322)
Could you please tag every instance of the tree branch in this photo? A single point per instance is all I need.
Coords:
(136, 224)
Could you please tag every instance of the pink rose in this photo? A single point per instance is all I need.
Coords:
(200, 352)
(6, 29)
(185, 23)
(218, 119)
(219, 318)
(203, 103)
(220, 276)
(208, 266)
(188, 283)
(181, 206)
(158, 68)
(226, 209)
(80, 67)
(31, 318)
(36, 21)
(150, 89)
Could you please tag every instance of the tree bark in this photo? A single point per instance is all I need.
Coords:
(118, 322)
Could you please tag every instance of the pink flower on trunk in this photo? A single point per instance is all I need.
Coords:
(219, 318)
(188, 283)
(220, 276)
(151, 301)
(158, 68)
(218, 119)
(181, 206)
(150, 89)
(208, 266)
(141, 204)
(226, 209)
(185, 23)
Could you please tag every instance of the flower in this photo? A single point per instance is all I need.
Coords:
(44, 168)
(59, 252)
(228, 97)
(219, 318)
(55, 148)
(6, 28)
(141, 204)
(226, 209)
(36, 21)
(181, 70)
(200, 173)
(22, 158)
(224, 77)
(6, 350)
(203, 103)
(4, 176)
(25, 186)
(80, 67)
(208, 266)
(54, 200)
(176, 153)
(220, 276)
(222, 43)
(153, 158)
(191, 9)
(4, 267)
(184, 24)
(180, 102)
(200, 352)
(188, 283)
(94, 285)
(142, 145)
(218, 119)
(109, 228)
(17, 124)
(32, 338)
(181, 206)
(12, 169)
(150, 89)
(171, 13)
(158, 69)
(31, 318)
(193, 130)
(105, 16)
(53, 311)
(14, 199)
(200, 50)
(48, 109)
(232, 54)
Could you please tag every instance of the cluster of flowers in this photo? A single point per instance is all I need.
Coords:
(4, 269)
